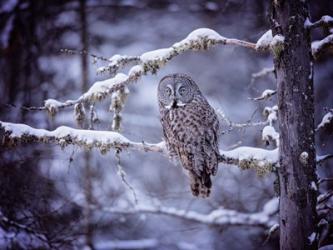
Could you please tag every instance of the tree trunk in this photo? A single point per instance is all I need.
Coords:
(293, 65)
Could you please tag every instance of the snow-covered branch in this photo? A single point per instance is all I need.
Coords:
(327, 119)
(321, 158)
(263, 72)
(149, 62)
(324, 21)
(63, 136)
(319, 46)
(266, 94)
(218, 217)
(262, 160)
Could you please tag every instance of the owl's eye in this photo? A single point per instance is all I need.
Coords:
(168, 91)
(182, 90)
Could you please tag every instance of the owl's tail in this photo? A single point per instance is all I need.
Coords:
(201, 185)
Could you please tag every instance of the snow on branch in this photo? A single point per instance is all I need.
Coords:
(263, 161)
(218, 217)
(322, 158)
(266, 94)
(262, 73)
(327, 119)
(324, 21)
(318, 47)
(149, 62)
(63, 136)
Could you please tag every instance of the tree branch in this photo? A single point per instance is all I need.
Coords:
(149, 62)
(264, 95)
(218, 217)
(318, 47)
(327, 119)
(324, 21)
(263, 72)
(263, 161)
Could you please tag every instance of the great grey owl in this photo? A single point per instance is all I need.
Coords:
(190, 127)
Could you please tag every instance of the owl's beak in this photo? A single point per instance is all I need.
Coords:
(175, 104)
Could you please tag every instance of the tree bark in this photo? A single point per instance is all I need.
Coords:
(293, 65)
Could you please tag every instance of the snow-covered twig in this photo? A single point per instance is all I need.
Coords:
(264, 95)
(318, 47)
(324, 21)
(264, 41)
(218, 217)
(327, 119)
(261, 73)
(118, 100)
(117, 62)
(261, 160)
(149, 62)
(321, 158)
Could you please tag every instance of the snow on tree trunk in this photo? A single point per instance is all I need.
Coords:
(291, 47)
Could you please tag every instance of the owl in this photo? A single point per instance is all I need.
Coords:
(190, 128)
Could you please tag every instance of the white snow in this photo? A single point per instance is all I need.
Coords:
(103, 140)
(312, 237)
(327, 19)
(316, 46)
(101, 88)
(307, 23)
(327, 119)
(277, 39)
(272, 206)
(135, 71)
(265, 94)
(84, 136)
(264, 41)
(198, 36)
(314, 186)
(159, 54)
(204, 33)
(269, 133)
(52, 105)
(271, 114)
(243, 153)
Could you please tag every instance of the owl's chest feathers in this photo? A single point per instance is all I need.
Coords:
(185, 123)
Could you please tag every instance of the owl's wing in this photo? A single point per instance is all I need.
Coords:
(168, 134)
(210, 147)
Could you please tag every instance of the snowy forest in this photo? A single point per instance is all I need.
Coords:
(84, 162)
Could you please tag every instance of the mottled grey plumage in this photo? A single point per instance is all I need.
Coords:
(190, 128)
